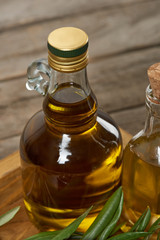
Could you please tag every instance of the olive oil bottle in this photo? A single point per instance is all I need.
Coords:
(70, 151)
(141, 160)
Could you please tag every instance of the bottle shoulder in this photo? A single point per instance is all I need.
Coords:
(108, 125)
(35, 125)
(38, 142)
(146, 147)
(104, 126)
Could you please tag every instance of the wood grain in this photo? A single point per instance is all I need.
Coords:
(117, 30)
(122, 77)
(115, 82)
(133, 118)
(11, 196)
(124, 42)
(9, 164)
(30, 11)
(9, 145)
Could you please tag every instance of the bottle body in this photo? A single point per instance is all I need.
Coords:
(141, 166)
(70, 152)
(141, 177)
(65, 170)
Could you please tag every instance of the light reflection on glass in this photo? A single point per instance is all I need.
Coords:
(108, 126)
(64, 152)
(158, 155)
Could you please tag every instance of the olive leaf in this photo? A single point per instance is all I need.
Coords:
(6, 217)
(43, 236)
(129, 236)
(117, 228)
(68, 231)
(51, 235)
(139, 221)
(61, 234)
(105, 216)
(142, 226)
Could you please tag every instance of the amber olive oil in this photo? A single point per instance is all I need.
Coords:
(70, 151)
(71, 159)
(141, 159)
(141, 177)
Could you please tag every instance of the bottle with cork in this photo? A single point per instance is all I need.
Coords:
(70, 151)
(141, 159)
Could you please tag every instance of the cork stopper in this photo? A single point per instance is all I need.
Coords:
(154, 78)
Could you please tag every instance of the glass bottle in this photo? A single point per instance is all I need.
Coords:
(70, 151)
(141, 159)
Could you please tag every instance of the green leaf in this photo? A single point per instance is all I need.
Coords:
(138, 222)
(154, 225)
(70, 229)
(64, 233)
(50, 235)
(155, 228)
(109, 228)
(142, 226)
(43, 236)
(117, 228)
(105, 216)
(6, 217)
(158, 237)
(129, 236)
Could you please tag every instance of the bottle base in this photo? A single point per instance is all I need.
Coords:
(50, 219)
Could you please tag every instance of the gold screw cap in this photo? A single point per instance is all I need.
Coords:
(67, 48)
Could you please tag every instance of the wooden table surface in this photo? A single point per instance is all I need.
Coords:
(124, 41)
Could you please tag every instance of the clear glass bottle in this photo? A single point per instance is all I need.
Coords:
(70, 151)
(141, 159)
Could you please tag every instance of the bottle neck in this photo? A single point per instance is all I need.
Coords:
(152, 124)
(78, 78)
(70, 103)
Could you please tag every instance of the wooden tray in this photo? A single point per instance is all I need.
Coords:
(20, 227)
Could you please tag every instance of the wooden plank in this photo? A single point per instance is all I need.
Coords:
(11, 196)
(8, 182)
(9, 145)
(116, 31)
(15, 116)
(30, 11)
(131, 119)
(15, 91)
(122, 78)
(14, 67)
(9, 164)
